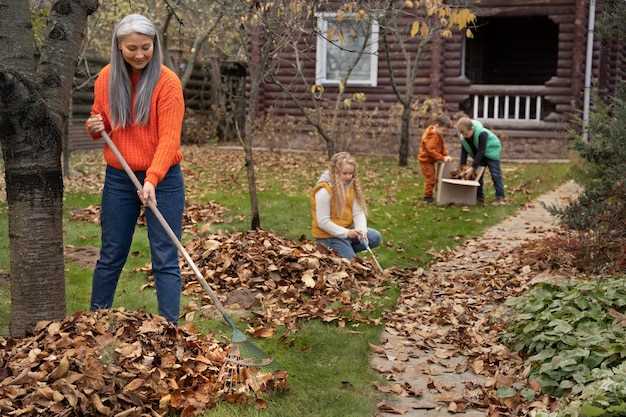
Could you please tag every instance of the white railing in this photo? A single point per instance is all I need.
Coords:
(507, 107)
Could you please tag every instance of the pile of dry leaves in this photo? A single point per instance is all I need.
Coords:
(282, 281)
(118, 363)
(573, 252)
(205, 214)
(454, 311)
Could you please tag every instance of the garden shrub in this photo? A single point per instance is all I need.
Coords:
(599, 214)
(569, 331)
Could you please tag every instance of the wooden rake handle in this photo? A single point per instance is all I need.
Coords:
(166, 226)
(367, 246)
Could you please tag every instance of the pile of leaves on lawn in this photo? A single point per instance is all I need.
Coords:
(119, 363)
(283, 281)
(205, 214)
(599, 215)
(577, 252)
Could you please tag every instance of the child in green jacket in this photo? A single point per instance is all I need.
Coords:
(485, 149)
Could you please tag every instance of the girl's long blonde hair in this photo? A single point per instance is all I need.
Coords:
(338, 197)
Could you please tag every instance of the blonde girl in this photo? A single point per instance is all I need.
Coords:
(338, 209)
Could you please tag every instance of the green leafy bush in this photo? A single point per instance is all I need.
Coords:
(569, 330)
(600, 212)
(606, 397)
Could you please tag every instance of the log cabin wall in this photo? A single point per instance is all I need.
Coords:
(612, 65)
(537, 109)
(380, 99)
(531, 114)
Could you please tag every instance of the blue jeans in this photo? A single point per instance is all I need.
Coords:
(347, 248)
(496, 177)
(120, 209)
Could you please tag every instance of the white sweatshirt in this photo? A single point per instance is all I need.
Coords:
(322, 211)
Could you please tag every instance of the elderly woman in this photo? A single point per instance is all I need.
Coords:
(139, 103)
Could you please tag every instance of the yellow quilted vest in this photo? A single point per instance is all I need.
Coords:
(344, 219)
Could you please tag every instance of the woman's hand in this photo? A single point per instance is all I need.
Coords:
(148, 193)
(95, 123)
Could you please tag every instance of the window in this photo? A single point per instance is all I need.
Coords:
(338, 47)
(521, 50)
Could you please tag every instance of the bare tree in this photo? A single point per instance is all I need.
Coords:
(34, 104)
(351, 39)
(265, 29)
(412, 26)
(202, 22)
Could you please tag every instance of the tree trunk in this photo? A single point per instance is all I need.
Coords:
(255, 81)
(32, 119)
(255, 217)
(405, 134)
(31, 148)
(330, 148)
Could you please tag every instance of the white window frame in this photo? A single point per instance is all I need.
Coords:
(321, 53)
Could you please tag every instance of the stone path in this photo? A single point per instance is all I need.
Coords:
(421, 367)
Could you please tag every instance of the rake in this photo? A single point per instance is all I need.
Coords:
(367, 246)
(250, 355)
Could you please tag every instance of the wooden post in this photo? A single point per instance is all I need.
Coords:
(476, 106)
(506, 107)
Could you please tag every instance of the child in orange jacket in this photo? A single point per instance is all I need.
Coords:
(432, 150)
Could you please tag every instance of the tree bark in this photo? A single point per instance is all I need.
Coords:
(165, 40)
(255, 217)
(33, 113)
(256, 74)
(404, 136)
(31, 147)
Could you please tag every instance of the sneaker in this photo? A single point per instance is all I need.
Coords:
(428, 200)
(500, 201)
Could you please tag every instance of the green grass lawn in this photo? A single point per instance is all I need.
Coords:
(328, 366)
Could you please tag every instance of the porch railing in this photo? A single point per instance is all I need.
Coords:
(510, 102)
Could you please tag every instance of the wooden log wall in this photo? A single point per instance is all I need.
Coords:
(379, 98)
(612, 66)
(441, 75)
(559, 89)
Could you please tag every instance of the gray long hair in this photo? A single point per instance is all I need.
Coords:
(119, 79)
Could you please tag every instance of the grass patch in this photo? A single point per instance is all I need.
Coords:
(329, 374)
(328, 366)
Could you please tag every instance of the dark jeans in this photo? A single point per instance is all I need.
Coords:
(496, 177)
(347, 248)
(120, 209)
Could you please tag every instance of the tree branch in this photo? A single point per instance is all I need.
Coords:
(394, 83)
(195, 50)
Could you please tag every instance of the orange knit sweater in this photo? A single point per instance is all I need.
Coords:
(155, 146)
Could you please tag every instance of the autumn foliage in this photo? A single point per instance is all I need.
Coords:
(283, 281)
(122, 363)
